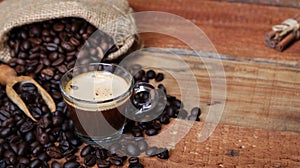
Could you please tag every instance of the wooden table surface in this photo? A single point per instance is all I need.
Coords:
(260, 125)
(261, 118)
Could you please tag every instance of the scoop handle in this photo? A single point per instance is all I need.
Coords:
(7, 74)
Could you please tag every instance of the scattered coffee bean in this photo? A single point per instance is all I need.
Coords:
(90, 160)
(159, 77)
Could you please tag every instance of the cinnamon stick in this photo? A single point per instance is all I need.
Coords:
(287, 40)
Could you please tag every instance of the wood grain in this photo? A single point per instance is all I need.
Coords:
(236, 29)
(286, 3)
(258, 94)
(231, 146)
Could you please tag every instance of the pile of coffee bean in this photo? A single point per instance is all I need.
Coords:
(46, 50)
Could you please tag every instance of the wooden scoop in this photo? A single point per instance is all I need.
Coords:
(9, 77)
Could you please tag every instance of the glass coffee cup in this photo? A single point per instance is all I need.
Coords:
(98, 96)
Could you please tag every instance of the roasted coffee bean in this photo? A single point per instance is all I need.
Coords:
(52, 47)
(162, 87)
(67, 46)
(159, 77)
(71, 164)
(164, 119)
(59, 61)
(135, 165)
(171, 112)
(150, 74)
(36, 163)
(71, 157)
(20, 69)
(24, 160)
(44, 157)
(62, 68)
(182, 114)
(101, 153)
(142, 145)
(3, 164)
(22, 149)
(55, 164)
(115, 160)
(115, 148)
(90, 160)
(54, 152)
(133, 160)
(5, 132)
(4, 115)
(177, 103)
(87, 150)
(103, 163)
(151, 132)
(152, 151)
(47, 73)
(193, 118)
(25, 46)
(58, 27)
(164, 154)
(196, 111)
(132, 149)
(156, 126)
(74, 41)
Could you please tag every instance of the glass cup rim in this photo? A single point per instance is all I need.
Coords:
(102, 101)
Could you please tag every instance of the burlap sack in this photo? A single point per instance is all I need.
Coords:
(110, 16)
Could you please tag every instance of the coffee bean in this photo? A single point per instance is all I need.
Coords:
(25, 46)
(132, 149)
(58, 27)
(86, 150)
(159, 77)
(74, 41)
(115, 160)
(47, 73)
(164, 119)
(71, 164)
(67, 46)
(164, 154)
(193, 118)
(62, 68)
(150, 74)
(162, 87)
(24, 160)
(171, 112)
(101, 153)
(142, 145)
(196, 111)
(103, 163)
(46, 62)
(182, 114)
(44, 157)
(71, 157)
(90, 160)
(114, 148)
(5, 132)
(59, 61)
(54, 152)
(135, 165)
(133, 160)
(51, 47)
(53, 56)
(151, 132)
(35, 31)
(4, 115)
(55, 164)
(36, 163)
(151, 151)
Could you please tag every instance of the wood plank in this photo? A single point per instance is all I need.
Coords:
(231, 146)
(258, 94)
(286, 3)
(236, 29)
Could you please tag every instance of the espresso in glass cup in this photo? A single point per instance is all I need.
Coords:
(96, 96)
